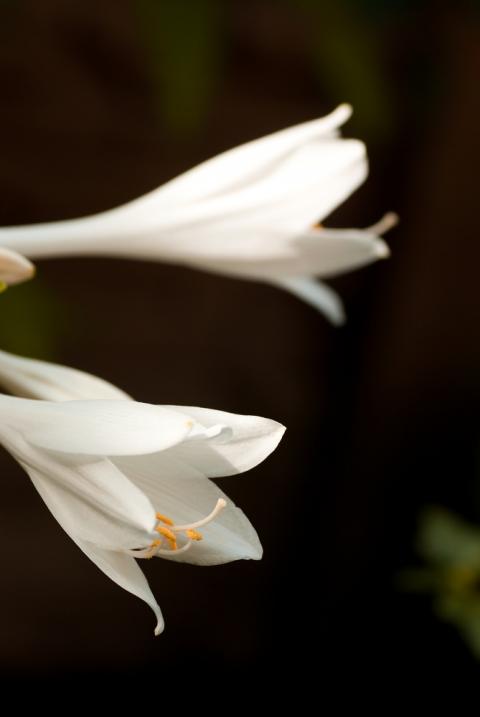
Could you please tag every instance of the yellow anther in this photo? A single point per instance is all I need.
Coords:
(168, 535)
(164, 519)
(194, 535)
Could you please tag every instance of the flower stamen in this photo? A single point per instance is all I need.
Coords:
(387, 222)
(220, 505)
(193, 535)
(168, 535)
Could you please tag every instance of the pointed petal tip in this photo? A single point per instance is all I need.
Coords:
(344, 109)
(159, 628)
(258, 554)
(381, 250)
(14, 267)
(339, 319)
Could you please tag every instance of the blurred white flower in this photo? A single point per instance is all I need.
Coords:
(128, 480)
(251, 212)
(14, 268)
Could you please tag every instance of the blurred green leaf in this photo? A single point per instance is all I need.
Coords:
(184, 42)
(451, 548)
(29, 319)
(445, 538)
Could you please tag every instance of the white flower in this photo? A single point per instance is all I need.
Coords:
(128, 480)
(251, 212)
(14, 268)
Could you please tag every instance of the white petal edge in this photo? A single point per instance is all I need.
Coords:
(237, 165)
(249, 441)
(96, 501)
(95, 427)
(317, 294)
(120, 568)
(31, 378)
(124, 571)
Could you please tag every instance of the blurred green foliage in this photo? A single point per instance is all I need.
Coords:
(185, 49)
(346, 42)
(30, 319)
(184, 46)
(450, 548)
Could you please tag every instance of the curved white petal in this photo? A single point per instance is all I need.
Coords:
(14, 267)
(239, 167)
(235, 232)
(325, 253)
(124, 571)
(182, 493)
(317, 294)
(95, 427)
(249, 441)
(95, 501)
(297, 192)
(316, 252)
(31, 378)
(118, 566)
(328, 252)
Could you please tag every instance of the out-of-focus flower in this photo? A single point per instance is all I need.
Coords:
(128, 480)
(14, 268)
(252, 212)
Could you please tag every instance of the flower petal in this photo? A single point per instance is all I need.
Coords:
(248, 442)
(255, 221)
(240, 166)
(118, 566)
(263, 181)
(317, 294)
(329, 252)
(14, 267)
(179, 491)
(124, 571)
(94, 500)
(95, 427)
(318, 252)
(51, 382)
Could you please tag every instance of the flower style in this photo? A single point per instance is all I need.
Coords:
(128, 480)
(252, 212)
(14, 268)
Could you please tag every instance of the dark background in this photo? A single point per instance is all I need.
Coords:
(102, 102)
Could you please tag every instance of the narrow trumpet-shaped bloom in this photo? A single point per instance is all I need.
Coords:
(128, 480)
(252, 212)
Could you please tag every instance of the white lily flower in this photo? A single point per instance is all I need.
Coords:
(251, 212)
(14, 268)
(128, 480)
